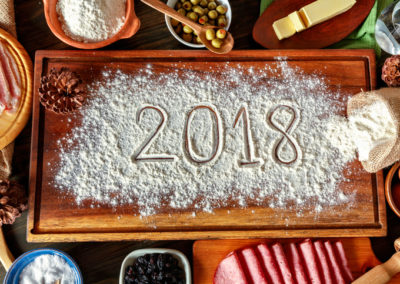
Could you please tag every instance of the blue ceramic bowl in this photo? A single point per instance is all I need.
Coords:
(21, 262)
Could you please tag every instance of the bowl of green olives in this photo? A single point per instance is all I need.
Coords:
(216, 13)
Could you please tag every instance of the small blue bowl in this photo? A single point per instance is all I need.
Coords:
(21, 262)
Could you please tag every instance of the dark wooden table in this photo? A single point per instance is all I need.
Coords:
(100, 262)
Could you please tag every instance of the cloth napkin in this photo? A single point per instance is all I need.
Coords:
(7, 22)
(363, 36)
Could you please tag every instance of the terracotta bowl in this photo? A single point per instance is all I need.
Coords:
(392, 179)
(130, 27)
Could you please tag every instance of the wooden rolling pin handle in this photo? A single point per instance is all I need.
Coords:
(6, 257)
(382, 273)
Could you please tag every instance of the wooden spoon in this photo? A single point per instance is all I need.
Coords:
(200, 30)
(6, 257)
(383, 273)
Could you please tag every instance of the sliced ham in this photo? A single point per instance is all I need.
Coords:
(310, 260)
(341, 255)
(269, 264)
(282, 263)
(337, 271)
(253, 266)
(230, 271)
(324, 262)
(296, 263)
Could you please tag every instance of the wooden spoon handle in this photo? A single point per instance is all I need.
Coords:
(383, 273)
(165, 9)
(6, 257)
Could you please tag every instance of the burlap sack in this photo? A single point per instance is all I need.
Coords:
(7, 22)
(387, 153)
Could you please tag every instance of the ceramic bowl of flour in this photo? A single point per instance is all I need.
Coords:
(172, 3)
(128, 29)
(32, 260)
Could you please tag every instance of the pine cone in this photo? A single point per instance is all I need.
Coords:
(391, 71)
(61, 91)
(12, 201)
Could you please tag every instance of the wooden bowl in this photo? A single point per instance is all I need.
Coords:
(393, 174)
(12, 123)
(130, 27)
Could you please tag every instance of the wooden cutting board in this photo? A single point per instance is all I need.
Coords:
(12, 123)
(319, 36)
(207, 254)
(54, 216)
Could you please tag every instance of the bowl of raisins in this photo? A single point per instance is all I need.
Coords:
(155, 265)
(204, 12)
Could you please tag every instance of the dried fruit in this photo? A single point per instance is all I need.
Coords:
(13, 201)
(391, 71)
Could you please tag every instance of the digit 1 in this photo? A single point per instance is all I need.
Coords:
(217, 137)
(250, 160)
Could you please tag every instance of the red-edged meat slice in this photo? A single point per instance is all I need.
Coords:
(283, 264)
(323, 258)
(5, 91)
(337, 272)
(310, 260)
(13, 75)
(341, 254)
(230, 271)
(296, 263)
(253, 265)
(269, 264)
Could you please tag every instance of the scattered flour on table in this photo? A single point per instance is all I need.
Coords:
(91, 20)
(97, 157)
(47, 269)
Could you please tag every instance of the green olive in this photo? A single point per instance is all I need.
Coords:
(187, 5)
(221, 9)
(174, 22)
(187, 37)
(216, 42)
(203, 20)
(187, 29)
(213, 14)
(211, 22)
(193, 16)
(203, 3)
(198, 40)
(210, 34)
(178, 5)
(178, 28)
(205, 11)
(198, 10)
(182, 1)
(212, 5)
(221, 34)
(195, 2)
(221, 22)
(182, 11)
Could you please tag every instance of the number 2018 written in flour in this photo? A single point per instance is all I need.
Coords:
(242, 114)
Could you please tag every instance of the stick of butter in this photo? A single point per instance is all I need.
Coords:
(284, 28)
(310, 15)
(323, 10)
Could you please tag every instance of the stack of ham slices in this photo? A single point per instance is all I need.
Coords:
(10, 80)
(310, 262)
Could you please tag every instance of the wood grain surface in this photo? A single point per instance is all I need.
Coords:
(358, 251)
(12, 123)
(54, 217)
(319, 36)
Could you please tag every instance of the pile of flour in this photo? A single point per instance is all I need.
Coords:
(97, 159)
(91, 20)
(47, 269)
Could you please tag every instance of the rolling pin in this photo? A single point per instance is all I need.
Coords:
(384, 272)
(6, 257)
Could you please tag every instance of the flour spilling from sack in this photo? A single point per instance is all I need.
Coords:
(99, 158)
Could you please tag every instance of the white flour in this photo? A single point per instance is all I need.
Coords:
(97, 158)
(91, 20)
(47, 269)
